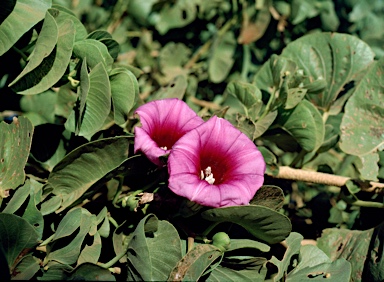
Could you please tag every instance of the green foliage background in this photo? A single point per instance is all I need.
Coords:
(302, 79)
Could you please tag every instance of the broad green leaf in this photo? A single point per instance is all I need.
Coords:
(262, 222)
(362, 126)
(18, 198)
(90, 272)
(97, 103)
(70, 222)
(263, 124)
(106, 38)
(16, 235)
(45, 44)
(153, 251)
(70, 253)
(293, 247)
(221, 273)
(368, 167)
(15, 143)
(246, 244)
(314, 264)
(305, 124)
(86, 165)
(248, 94)
(52, 68)
(26, 268)
(125, 91)
(91, 253)
(95, 52)
(221, 60)
(175, 15)
(374, 266)
(175, 89)
(43, 104)
(337, 58)
(192, 266)
(352, 245)
(62, 14)
(31, 213)
(269, 196)
(24, 16)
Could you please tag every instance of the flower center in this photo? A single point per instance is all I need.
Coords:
(207, 175)
(164, 148)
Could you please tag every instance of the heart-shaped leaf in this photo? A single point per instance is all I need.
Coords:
(262, 222)
(337, 58)
(153, 251)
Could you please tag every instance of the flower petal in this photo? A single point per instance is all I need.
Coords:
(163, 123)
(237, 165)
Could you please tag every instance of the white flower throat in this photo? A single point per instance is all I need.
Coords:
(207, 175)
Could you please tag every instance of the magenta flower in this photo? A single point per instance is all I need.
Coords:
(163, 123)
(216, 165)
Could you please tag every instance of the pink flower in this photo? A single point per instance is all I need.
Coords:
(163, 123)
(216, 165)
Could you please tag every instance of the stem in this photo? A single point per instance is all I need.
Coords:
(112, 261)
(268, 106)
(113, 221)
(298, 158)
(286, 172)
(190, 244)
(368, 204)
(246, 61)
(21, 53)
(118, 192)
(210, 228)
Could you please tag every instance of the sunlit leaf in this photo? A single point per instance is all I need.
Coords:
(262, 222)
(62, 14)
(269, 196)
(25, 14)
(15, 143)
(305, 124)
(31, 213)
(337, 58)
(95, 52)
(91, 253)
(26, 268)
(51, 68)
(362, 126)
(153, 251)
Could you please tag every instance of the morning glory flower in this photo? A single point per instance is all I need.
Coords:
(163, 123)
(216, 165)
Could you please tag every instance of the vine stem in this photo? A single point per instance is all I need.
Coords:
(286, 172)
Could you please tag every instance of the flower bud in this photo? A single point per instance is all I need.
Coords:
(221, 240)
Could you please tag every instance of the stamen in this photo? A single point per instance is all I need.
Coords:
(164, 148)
(207, 175)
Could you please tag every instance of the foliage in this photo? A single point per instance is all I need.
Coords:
(302, 79)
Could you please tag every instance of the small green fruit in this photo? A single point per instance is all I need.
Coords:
(221, 240)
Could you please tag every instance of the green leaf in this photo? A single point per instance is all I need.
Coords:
(374, 265)
(106, 38)
(24, 16)
(293, 247)
(95, 52)
(221, 59)
(97, 103)
(246, 244)
(153, 251)
(15, 143)
(314, 264)
(368, 167)
(91, 253)
(31, 213)
(125, 91)
(26, 268)
(16, 236)
(90, 272)
(352, 245)
(269, 196)
(221, 273)
(62, 14)
(248, 94)
(53, 67)
(175, 89)
(46, 42)
(43, 104)
(305, 124)
(362, 126)
(262, 222)
(192, 266)
(70, 253)
(86, 165)
(18, 198)
(337, 58)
